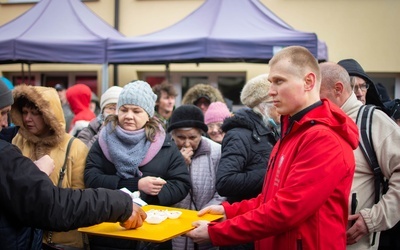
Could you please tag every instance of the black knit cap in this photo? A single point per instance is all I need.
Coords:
(355, 69)
(187, 116)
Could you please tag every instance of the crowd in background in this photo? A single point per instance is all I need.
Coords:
(280, 169)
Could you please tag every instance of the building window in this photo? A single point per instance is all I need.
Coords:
(189, 81)
(17, 80)
(231, 86)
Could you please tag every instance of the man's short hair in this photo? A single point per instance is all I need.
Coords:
(300, 57)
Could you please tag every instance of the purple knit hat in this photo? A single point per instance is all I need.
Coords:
(216, 112)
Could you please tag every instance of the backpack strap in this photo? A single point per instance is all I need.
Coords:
(364, 122)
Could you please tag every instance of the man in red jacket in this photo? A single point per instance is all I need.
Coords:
(304, 201)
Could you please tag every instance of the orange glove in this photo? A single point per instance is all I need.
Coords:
(136, 219)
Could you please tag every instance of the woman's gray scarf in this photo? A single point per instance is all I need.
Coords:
(126, 149)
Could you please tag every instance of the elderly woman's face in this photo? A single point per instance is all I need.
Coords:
(187, 138)
(132, 117)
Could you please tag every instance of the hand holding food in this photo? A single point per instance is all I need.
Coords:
(151, 185)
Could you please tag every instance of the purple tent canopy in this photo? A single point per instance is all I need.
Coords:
(218, 31)
(56, 31)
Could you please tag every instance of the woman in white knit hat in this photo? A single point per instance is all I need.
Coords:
(134, 152)
(108, 106)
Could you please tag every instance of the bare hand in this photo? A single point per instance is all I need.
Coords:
(45, 164)
(151, 185)
(136, 219)
(358, 230)
(213, 209)
(187, 154)
(200, 233)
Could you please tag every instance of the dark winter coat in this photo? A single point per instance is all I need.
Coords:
(28, 198)
(246, 148)
(167, 164)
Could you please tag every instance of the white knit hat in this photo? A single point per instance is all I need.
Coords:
(255, 91)
(138, 93)
(110, 96)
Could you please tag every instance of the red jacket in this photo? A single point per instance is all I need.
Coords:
(78, 97)
(304, 201)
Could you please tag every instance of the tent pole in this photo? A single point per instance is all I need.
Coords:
(115, 75)
(167, 73)
(23, 73)
(116, 26)
(104, 77)
(29, 74)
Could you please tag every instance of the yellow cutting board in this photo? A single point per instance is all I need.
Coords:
(164, 231)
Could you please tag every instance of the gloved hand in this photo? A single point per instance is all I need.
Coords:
(136, 219)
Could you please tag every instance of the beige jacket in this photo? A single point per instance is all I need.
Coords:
(386, 142)
(48, 102)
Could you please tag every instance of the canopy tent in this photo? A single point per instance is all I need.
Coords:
(218, 31)
(56, 31)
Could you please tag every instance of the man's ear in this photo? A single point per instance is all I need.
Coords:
(339, 88)
(309, 81)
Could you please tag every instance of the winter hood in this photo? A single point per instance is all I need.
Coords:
(47, 101)
(202, 90)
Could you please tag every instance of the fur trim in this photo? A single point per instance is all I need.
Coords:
(236, 122)
(48, 102)
(200, 90)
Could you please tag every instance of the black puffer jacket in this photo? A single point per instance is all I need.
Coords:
(246, 148)
(28, 198)
(167, 164)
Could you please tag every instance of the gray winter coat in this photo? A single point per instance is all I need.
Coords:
(203, 192)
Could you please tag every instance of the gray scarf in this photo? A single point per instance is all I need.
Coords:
(126, 149)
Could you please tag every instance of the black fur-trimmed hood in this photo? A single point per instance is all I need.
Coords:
(248, 119)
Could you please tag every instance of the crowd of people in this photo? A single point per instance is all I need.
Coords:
(285, 170)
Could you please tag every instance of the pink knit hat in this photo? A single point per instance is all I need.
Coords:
(216, 112)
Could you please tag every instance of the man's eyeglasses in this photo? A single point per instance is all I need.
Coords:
(362, 87)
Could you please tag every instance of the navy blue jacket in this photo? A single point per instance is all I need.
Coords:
(246, 148)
